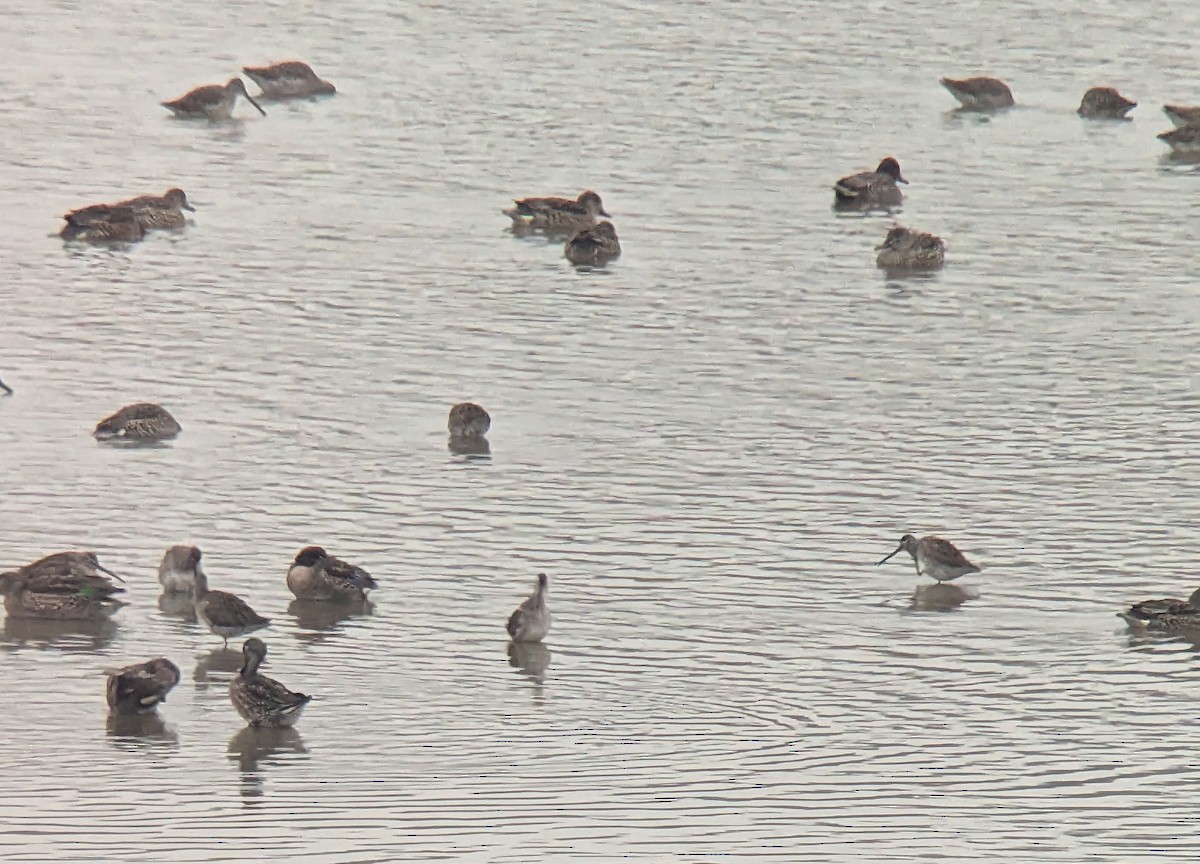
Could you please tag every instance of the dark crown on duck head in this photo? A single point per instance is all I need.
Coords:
(310, 555)
(891, 167)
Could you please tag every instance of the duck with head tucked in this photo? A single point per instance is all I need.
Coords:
(1105, 103)
(905, 249)
(141, 687)
(65, 586)
(103, 224)
(288, 80)
(979, 94)
(530, 622)
(593, 247)
(142, 421)
(557, 215)
(212, 101)
(1167, 615)
(871, 188)
(263, 701)
(317, 575)
(177, 570)
(468, 420)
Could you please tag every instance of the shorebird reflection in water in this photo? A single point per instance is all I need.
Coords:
(934, 557)
(212, 101)
(1166, 615)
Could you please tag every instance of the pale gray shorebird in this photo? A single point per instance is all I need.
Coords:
(141, 687)
(1105, 103)
(263, 701)
(530, 622)
(979, 94)
(594, 246)
(934, 557)
(317, 575)
(1166, 615)
(103, 225)
(65, 586)
(906, 249)
(1184, 140)
(1183, 115)
(224, 614)
(212, 101)
(557, 215)
(468, 420)
(141, 421)
(288, 80)
(866, 187)
(177, 570)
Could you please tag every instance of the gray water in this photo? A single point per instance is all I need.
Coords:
(707, 445)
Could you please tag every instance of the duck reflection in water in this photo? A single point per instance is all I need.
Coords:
(476, 446)
(181, 606)
(530, 659)
(941, 597)
(326, 617)
(134, 732)
(254, 745)
(66, 636)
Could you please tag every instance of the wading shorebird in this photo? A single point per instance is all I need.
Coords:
(530, 622)
(593, 247)
(65, 586)
(905, 249)
(212, 101)
(1105, 103)
(867, 187)
(934, 557)
(1165, 616)
(557, 215)
(288, 80)
(1183, 115)
(263, 701)
(103, 224)
(468, 420)
(224, 614)
(979, 94)
(141, 687)
(1185, 139)
(317, 575)
(142, 421)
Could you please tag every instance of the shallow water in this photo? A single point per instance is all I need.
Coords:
(707, 445)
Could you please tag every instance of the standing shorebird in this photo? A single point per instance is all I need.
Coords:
(1105, 103)
(468, 420)
(979, 94)
(263, 701)
(594, 246)
(530, 622)
(142, 421)
(226, 615)
(317, 575)
(177, 570)
(212, 101)
(288, 80)
(65, 586)
(139, 688)
(935, 557)
(869, 187)
(1166, 615)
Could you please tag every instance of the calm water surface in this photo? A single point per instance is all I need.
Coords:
(706, 445)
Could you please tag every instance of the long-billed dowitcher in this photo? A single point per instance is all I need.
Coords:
(871, 186)
(1183, 115)
(263, 701)
(594, 246)
(212, 101)
(1105, 103)
(142, 421)
(8, 391)
(288, 80)
(1185, 139)
(177, 570)
(935, 557)
(140, 687)
(557, 215)
(979, 94)
(530, 622)
(103, 224)
(224, 614)
(1166, 615)
(905, 249)
(65, 586)
(317, 575)
(468, 420)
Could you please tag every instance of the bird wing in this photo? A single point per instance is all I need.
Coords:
(348, 574)
(946, 552)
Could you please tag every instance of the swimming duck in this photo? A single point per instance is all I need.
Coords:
(871, 186)
(1183, 115)
(1166, 615)
(212, 101)
(103, 224)
(1105, 103)
(905, 249)
(1185, 139)
(317, 575)
(935, 557)
(177, 570)
(530, 622)
(141, 687)
(65, 586)
(152, 211)
(224, 614)
(468, 420)
(288, 80)
(263, 701)
(142, 421)
(560, 215)
(593, 246)
(979, 94)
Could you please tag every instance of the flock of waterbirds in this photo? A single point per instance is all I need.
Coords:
(73, 586)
